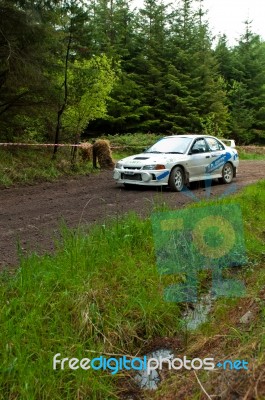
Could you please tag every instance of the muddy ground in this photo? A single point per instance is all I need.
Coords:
(31, 215)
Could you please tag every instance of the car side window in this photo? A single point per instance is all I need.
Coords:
(214, 144)
(199, 146)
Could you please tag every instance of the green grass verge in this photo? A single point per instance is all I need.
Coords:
(100, 292)
(24, 165)
(243, 155)
(135, 140)
(223, 336)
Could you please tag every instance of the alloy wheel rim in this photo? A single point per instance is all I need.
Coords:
(228, 173)
(178, 179)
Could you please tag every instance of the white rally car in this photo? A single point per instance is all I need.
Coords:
(177, 160)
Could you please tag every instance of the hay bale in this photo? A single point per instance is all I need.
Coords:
(86, 150)
(103, 153)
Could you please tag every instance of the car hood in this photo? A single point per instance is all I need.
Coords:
(140, 160)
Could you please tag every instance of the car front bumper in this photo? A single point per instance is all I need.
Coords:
(141, 177)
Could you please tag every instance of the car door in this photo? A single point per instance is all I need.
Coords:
(219, 156)
(199, 159)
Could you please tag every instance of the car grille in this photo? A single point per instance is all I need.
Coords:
(132, 167)
(135, 177)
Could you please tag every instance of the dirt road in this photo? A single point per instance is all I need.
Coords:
(31, 215)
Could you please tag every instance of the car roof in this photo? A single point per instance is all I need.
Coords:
(189, 136)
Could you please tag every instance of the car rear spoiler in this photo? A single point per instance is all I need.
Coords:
(229, 142)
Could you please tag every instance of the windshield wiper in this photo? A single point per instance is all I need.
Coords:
(154, 152)
(173, 152)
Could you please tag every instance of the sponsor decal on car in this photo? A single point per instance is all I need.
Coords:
(218, 162)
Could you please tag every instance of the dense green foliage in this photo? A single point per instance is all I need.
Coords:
(70, 67)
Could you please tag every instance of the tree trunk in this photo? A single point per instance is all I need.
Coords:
(60, 112)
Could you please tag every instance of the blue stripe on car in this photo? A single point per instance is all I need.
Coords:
(159, 177)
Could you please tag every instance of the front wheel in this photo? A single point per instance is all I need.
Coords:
(129, 186)
(227, 173)
(176, 179)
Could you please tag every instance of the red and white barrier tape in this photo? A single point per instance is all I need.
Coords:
(60, 145)
(41, 144)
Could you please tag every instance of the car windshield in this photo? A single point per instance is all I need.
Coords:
(171, 145)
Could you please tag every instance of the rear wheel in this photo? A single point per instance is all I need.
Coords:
(176, 179)
(227, 173)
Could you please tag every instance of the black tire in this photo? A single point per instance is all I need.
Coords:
(227, 173)
(176, 179)
(127, 186)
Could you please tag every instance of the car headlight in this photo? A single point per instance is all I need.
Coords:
(154, 166)
(118, 165)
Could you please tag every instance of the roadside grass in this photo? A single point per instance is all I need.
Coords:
(27, 165)
(136, 140)
(119, 154)
(101, 293)
(223, 336)
(243, 155)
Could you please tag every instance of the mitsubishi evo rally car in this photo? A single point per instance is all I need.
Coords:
(175, 161)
